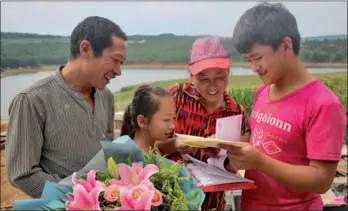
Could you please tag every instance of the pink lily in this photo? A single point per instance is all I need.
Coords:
(84, 200)
(69, 197)
(90, 183)
(134, 175)
(142, 201)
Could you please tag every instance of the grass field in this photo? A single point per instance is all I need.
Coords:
(125, 95)
(241, 87)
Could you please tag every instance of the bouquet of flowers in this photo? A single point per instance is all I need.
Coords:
(121, 177)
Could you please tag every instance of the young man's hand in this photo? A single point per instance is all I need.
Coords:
(213, 152)
(243, 158)
(245, 138)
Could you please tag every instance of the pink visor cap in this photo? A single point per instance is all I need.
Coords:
(207, 53)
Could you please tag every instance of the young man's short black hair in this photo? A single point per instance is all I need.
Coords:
(98, 31)
(266, 24)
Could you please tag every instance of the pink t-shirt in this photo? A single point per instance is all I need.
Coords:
(309, 123)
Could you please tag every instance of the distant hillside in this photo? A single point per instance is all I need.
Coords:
(327, 37)
(27, 35)
(23, 49)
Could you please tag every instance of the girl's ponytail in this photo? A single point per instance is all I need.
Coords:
(128, 127)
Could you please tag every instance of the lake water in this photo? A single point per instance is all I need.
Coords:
(12, 85)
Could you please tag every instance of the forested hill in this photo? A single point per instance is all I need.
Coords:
(23, 49)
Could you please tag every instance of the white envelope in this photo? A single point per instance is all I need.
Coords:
(229, 128)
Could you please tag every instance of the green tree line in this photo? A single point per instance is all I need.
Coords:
(31, 50)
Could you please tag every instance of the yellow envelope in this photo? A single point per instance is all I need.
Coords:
(200, 142)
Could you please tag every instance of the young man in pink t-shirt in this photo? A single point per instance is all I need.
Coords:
(297, 124)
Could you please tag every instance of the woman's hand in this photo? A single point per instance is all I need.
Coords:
(184, 149)
(212, 152)
(173, 145)
(166, 147)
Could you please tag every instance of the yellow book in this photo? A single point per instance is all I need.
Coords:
(200, 142)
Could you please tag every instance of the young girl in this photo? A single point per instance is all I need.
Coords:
(297, 124)
(150, 117)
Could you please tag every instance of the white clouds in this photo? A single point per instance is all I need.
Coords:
(314, 18)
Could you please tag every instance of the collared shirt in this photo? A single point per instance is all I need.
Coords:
(192, 118)
(53, 132)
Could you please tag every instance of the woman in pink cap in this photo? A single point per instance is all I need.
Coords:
(201, 101)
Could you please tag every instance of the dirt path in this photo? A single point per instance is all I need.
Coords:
(8, 193)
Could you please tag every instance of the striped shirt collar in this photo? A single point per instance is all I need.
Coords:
(59, 78)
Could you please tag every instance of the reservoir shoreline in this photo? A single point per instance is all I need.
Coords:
(156, 66)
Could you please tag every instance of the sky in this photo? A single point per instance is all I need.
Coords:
(153, 18)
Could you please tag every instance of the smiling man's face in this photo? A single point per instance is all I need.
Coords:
(268, 63)
(101, 70)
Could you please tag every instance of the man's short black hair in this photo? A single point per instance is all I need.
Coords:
(266, 24)
(98, 31)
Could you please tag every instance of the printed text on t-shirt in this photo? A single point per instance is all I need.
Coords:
(269, 119)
